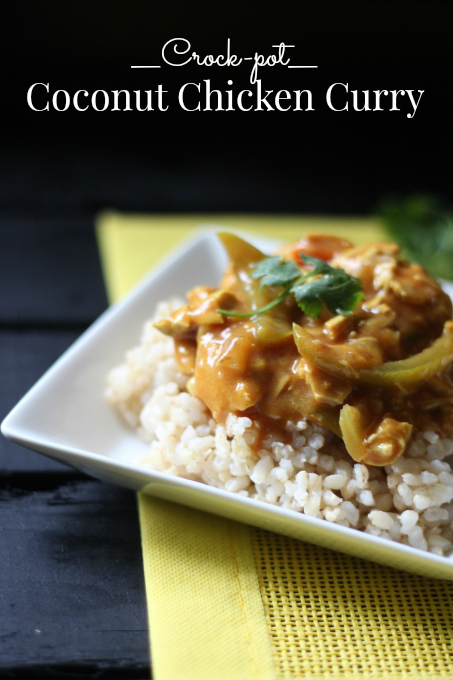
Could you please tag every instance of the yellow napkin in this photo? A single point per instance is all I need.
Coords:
(231, 602)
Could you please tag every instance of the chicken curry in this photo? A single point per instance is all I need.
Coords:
(370, 373)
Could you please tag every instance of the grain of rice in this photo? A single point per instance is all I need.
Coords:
(380, 519)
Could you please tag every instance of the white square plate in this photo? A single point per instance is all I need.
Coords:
(64, 416)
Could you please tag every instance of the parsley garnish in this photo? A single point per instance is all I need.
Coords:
(339, 291)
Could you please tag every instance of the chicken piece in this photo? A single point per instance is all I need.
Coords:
(417, 302)
(371, 436)
(200, 310)
(222, 379)
(325, 388)
(364, 260)
(387, 443)
(338, 327)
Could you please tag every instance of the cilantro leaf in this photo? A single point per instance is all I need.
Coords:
(319, 266)
(310, 304)
(339, 291)
(273, 272)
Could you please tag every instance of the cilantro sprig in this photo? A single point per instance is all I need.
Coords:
(339, 291)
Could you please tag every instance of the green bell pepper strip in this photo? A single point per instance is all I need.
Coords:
(405, 373)
(269, 328)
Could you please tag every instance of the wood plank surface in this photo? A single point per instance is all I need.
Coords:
(49, 272)
(25, 354)
(71, 580)
(71, 575)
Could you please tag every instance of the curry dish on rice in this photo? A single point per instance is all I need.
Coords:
(318, 380)
(370, 376)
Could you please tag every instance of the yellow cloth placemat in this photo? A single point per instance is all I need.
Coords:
(205, 610)
(227, 601)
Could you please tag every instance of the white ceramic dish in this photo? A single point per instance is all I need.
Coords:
(65, 417)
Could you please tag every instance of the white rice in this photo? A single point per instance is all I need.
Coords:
(409, 502)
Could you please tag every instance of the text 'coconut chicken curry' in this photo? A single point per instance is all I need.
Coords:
(351, 338)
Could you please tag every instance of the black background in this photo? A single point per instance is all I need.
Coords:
(321, 161)
(72, 591)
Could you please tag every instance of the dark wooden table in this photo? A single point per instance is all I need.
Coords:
(72, 590)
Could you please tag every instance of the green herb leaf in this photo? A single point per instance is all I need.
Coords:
(339, 291)
(273, 272)
(319, 266)
(423, 226)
